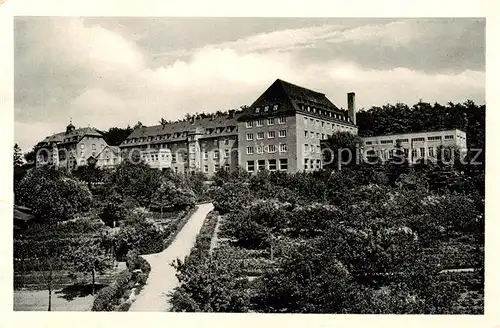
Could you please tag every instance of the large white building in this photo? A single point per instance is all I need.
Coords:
(416, 145)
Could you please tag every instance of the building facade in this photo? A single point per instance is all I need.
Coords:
(283, 128)
(416, 146)
(205, 144)
(75, 147)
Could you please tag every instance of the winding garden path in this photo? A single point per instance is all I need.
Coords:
(162, 280)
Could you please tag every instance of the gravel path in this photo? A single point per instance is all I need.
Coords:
(162, 280)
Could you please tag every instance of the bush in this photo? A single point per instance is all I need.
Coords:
(52, 194)
(140, 236)
(108, 297)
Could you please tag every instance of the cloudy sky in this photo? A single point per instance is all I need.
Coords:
(106, 72)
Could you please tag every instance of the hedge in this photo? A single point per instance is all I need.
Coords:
(109, 297)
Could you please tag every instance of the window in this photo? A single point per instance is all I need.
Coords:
(271, 134)
(414, 153)
(434, 138)
(317, 135)
(282, 120)
(401, 140)
(322, 124)
(216, 141)
(283, 148)
(174, 158)
(260, 135)
(205, 169)
(322, 136)
(260, 149)
(216, 154)
(306, 148)
(216, 168)
(317, 122)
(270, 121)
(305, 120)
(249, 136)
(250, 166)
(83, 155)
(418, 139)
(305, 134)
(272, 165)
(82, 146)
(257, 110)
(449, 137)
(261, 164)
(226, 153)
(406, 151)
(260, 122)
(308, 108)
(205, 154)
(226, 141)
(275, 107)
(266, 108)
(318, 164)
(318, 149)
(385, 142)
(368, 143)
(249, 150)
(431, 151)
(283, 164)
(282, 133)
(271, 148)
(250, 124)
(176, 169)
(422, 152)
(306, 161)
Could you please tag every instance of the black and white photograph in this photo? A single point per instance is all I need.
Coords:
(249, 164)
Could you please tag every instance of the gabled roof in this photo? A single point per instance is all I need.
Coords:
(290, 99)
(113, 149)
(183, 126)
(68, 137)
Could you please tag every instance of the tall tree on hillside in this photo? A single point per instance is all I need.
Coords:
(18, 156)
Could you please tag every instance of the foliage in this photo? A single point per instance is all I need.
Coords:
(52, 194)
(344, 147)
(231, 196)
(109, 297)
(115, 135)
(18, 157)
(140, 235)
(115, 207)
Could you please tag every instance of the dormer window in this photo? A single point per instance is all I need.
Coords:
(308, 108)
(257, 110)
(266, 108)
(275, 107)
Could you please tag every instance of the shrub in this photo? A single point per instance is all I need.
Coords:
(108, 297)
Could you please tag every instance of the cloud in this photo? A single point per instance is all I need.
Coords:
(66, 68)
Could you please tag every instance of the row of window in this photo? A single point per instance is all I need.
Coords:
(312, 149)
(270, 164)
(266, 108)
(217, 167)
(82, 146)
(319, 111)
(317, 135)
(321, 124)
(312, 164)
(176, 135)
(391, 141)
(216, 154)
(415, 152)
(269, 121)
(270, 135)
(283, 148)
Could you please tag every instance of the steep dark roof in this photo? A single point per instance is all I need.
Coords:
(68, 137)
(220, 121)
(291, 99)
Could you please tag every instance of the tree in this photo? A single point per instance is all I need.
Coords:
(341, 149)
(90, 256)
(115, 135)
(52, 194)
(89, 174)
(398, 164)
(138, 125)
(163, 121)
(18, 157)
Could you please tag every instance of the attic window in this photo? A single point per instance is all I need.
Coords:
(257, 109)
(275, 107)
(266, 108)
(308, 108)
(314, 109)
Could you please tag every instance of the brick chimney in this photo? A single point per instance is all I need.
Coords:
(351, 107)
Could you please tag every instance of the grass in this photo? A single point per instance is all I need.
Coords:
(38, 300)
